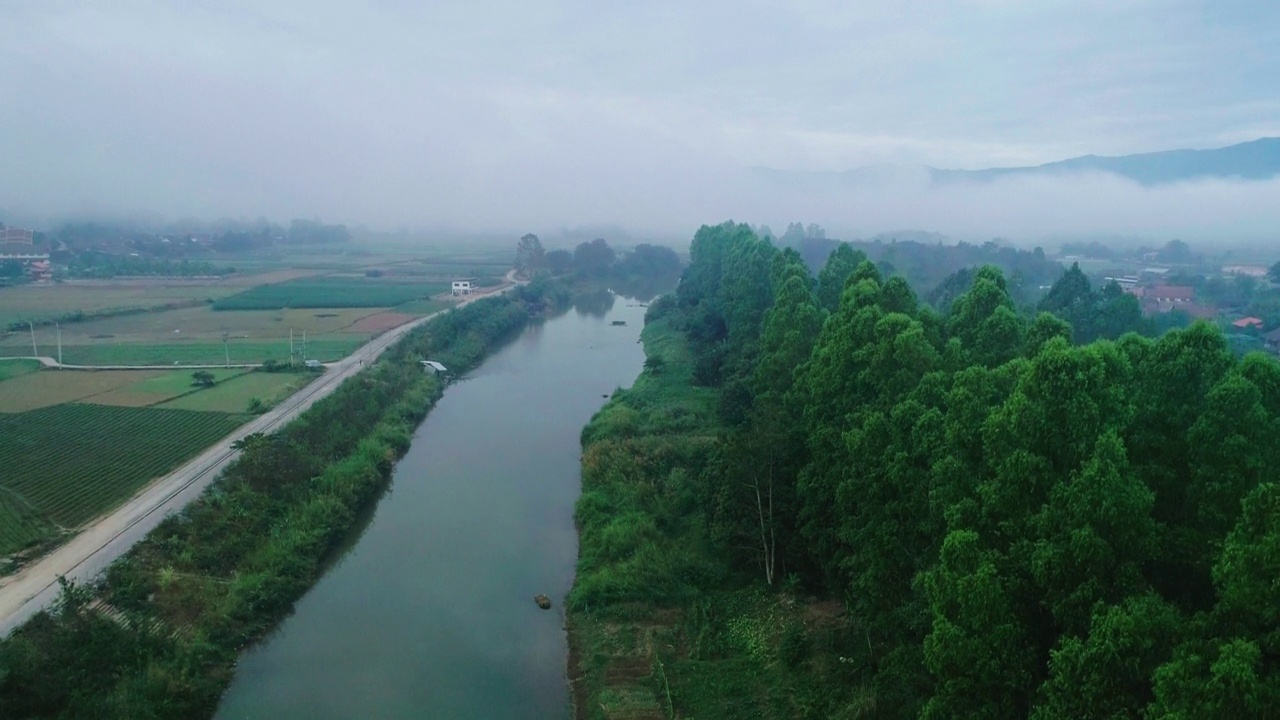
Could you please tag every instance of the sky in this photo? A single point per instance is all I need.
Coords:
(505, 116)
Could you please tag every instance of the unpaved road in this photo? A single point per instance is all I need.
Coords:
(89, 553)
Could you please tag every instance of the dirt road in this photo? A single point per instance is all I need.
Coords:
(89, 553)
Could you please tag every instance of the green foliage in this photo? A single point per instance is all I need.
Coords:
(1107, 314)
(1016, 525)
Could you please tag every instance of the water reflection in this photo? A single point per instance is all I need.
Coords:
(594, 304)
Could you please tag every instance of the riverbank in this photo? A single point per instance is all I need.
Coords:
(660, 624)
(159, 634)
(428, 609)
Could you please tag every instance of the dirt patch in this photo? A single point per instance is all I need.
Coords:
(380, 322)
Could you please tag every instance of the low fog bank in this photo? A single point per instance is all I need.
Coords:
(666, 203)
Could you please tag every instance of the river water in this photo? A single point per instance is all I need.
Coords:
(429, 613)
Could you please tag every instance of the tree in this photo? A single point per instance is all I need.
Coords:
(559, 262)
(831, 278)
(977, 651)
(530, 257)
(593, 259)
(1273, 274)
(202, 378)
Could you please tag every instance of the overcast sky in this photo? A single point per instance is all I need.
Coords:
(496, 115)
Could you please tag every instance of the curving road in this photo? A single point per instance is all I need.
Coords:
(87, 554)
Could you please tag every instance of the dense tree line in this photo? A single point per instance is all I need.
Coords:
(1025, 520)
(927, 265)
(640, 271)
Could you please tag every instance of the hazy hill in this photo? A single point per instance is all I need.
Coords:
(1256, 160)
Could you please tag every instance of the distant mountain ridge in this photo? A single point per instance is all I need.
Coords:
(1254, 160)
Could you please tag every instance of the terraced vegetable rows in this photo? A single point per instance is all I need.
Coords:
(72, 462)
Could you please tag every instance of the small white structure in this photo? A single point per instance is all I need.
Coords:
(313, 364)
(462, 287)
(432, 367)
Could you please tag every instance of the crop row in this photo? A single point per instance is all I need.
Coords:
(73, 462)
(328, 293)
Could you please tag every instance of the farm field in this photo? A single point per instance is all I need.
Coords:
(331, 292)
(61, 464)
(422, 307)
(235, 394)
(197, 323)
(210, 352)
(156, 390)
(52, 387)
(47, 302)
(20, 527)
(17, 368)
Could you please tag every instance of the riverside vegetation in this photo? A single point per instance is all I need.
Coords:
(159, 634)
(824, 499)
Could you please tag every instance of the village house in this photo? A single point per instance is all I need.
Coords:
(1272, 340)
(1249, 322)
(463, 287)
(1257, 271)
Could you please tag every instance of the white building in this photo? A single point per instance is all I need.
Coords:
(432, 367)
(462, 287)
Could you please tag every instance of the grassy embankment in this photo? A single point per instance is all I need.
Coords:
(159, 635)
(659, 627)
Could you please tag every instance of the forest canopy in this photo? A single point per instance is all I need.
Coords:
(1029, 514)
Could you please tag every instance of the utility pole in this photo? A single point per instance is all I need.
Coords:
(59, 327)
(290, 347)
(225, 347)
(304, 346)
(34, 352)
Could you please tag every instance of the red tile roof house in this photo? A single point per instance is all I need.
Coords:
(1172, 293)
(1249, 322)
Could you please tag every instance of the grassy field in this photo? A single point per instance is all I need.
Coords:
(330, 292)
(156, 390)
(234, 395)
(186, 324)
(17, 368)
(64, 464)
(52, 387)
(422, 307)
(332, 347)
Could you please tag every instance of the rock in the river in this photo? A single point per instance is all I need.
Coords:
(543, 601)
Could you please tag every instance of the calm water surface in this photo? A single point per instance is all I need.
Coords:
(430, 613)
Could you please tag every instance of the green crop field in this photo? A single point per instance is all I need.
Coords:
(199, 352)
(330, 292)
(17, 368)
(234, 395)
(72, 462)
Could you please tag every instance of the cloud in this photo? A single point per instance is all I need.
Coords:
(505, 115)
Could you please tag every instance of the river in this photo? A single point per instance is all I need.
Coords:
(429, 612)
